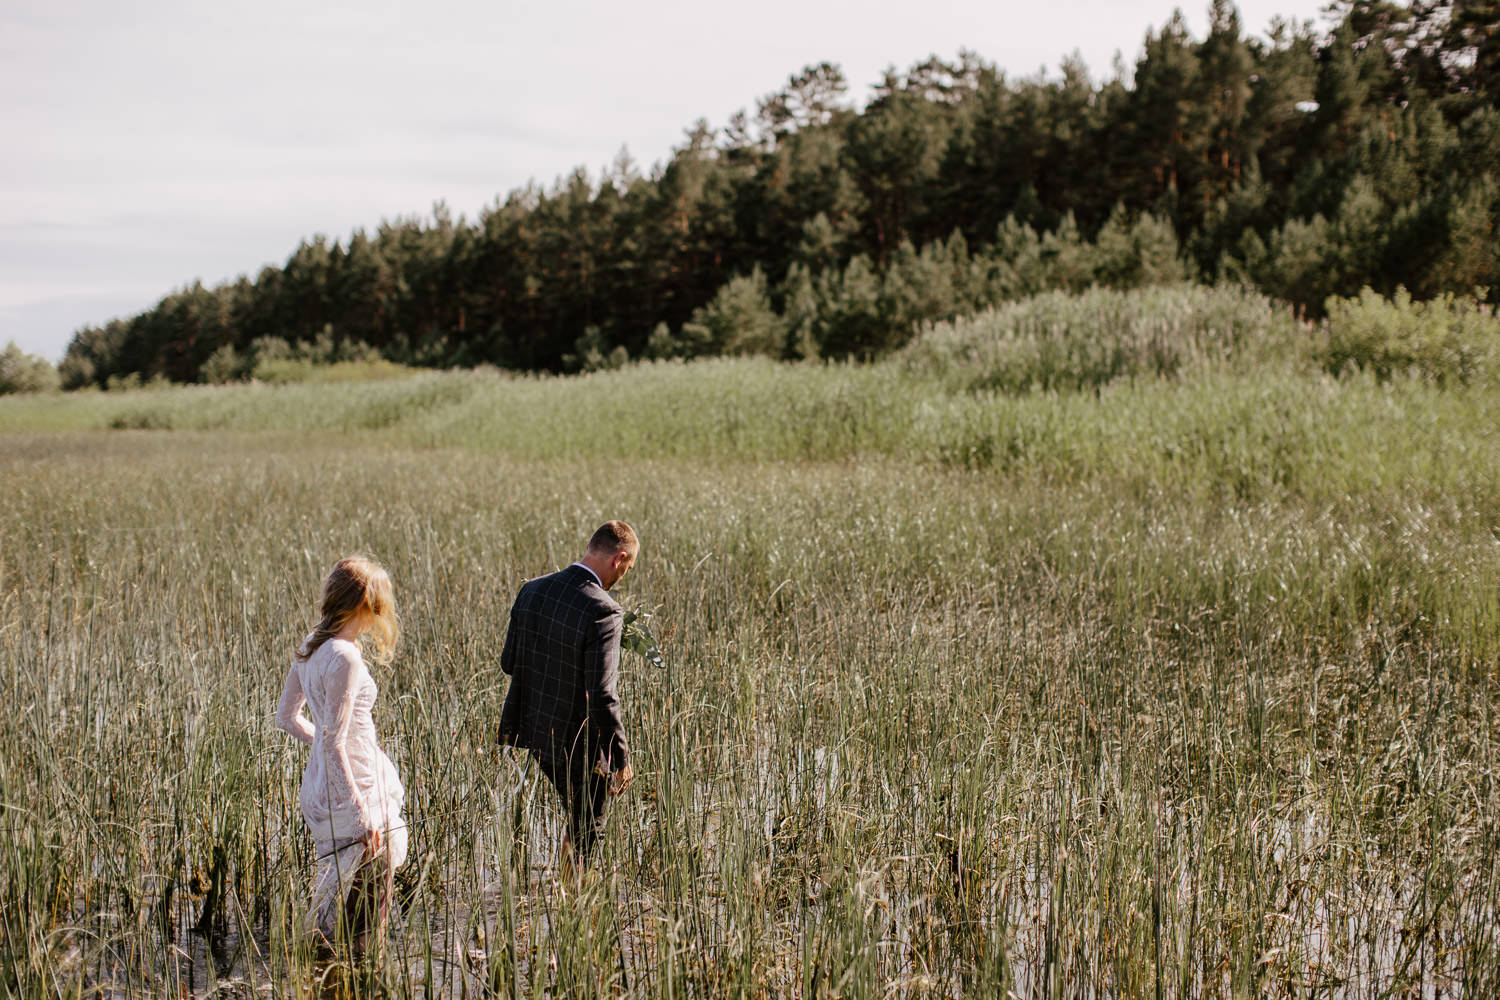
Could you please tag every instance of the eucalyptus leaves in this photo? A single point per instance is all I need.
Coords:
(637, 637)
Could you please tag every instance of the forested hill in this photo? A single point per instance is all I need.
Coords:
(1364, 151)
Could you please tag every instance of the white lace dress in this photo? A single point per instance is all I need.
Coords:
(351, 787)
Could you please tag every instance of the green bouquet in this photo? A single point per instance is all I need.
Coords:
(637, 637)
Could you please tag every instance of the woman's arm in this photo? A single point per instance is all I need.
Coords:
(289, 710)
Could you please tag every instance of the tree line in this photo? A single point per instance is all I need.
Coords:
(1315, 162)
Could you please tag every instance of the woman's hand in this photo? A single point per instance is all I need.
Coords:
(374, 842)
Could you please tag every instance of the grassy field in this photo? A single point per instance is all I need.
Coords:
(1169, 669)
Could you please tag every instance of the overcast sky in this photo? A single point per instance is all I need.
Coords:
(146, 148)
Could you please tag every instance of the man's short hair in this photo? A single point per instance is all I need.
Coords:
(612, 537)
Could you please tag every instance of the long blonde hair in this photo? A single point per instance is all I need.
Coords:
(356, 586)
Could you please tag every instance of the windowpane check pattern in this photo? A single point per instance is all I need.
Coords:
(562, 652)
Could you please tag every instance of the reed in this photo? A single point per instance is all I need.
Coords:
(1181, 687)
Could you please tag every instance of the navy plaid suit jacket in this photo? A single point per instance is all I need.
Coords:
(562, 652)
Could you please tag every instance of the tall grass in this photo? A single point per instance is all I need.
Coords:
(918, 734)
(1180, 686)
(1262, 434)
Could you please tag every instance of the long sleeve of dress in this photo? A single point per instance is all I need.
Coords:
(289, 716)
(340, 684)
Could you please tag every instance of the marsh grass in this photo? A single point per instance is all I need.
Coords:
(1182, 685)
(916, 735)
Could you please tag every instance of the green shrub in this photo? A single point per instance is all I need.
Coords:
(591, 354)
(1135, 253)
(1058, 341)
(22, 372)
(282, 371)
(1447, 339)
(269, 349)
(739, 320)
(133, 381)
(223, 365)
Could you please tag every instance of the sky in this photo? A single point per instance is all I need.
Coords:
(151, 144)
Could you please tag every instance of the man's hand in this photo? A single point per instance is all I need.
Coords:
(620, 780)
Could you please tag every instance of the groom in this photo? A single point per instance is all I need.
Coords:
(562, 652)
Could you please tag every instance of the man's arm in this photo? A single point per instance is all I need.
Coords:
(510, 715)
(508, 651)
(601, 672)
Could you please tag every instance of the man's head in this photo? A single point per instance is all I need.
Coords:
(612, 551)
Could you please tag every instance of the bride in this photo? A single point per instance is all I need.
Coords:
(351, 794)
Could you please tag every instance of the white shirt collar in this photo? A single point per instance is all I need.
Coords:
(590, 573)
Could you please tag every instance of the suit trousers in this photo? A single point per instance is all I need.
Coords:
(585, 798)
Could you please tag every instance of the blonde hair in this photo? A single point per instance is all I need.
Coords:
(356, 587)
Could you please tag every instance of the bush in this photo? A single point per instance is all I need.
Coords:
(223, 365)
(738, 320)
(275, 360)
(285, 371)
(1057, 341)
(22, 372)
(851, 322)
(1134, 254)
(77, 371)
(591, 354)
(133, 381)
(1447, 339)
